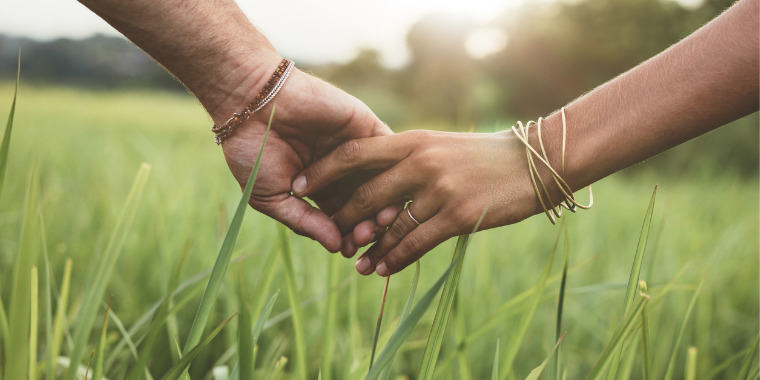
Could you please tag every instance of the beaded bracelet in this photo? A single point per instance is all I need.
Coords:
(270, 90)
(568, 200)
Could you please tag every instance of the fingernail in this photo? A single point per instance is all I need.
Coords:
(299, 185)
(382, 269)
(363, 265)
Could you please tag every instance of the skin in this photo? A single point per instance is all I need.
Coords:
(214, 50)
(705, 81)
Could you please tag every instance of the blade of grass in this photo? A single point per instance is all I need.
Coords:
(379, 322)
(405, 327)
(717, 370)
(404, 313)
(50, 370)
(33, 322)
(536, 372)
(245, 329)
(97, 372)
(354, 335)
(97, 286)
(257, 332)
(294, 302)
(628, 354)
(496, 318)
(638, 258)
(671, 363)
(646, 342)
(179, 368)
(5, 147)
(556, 365)
(460, 333)
(747, 365)
(141, 366)
(3, 330)
(87, 371)
(17, 357)
(189, 287)
(633, 279)
(330, 319)
(691, 364)
(178, 350)
(60, 312)
(438, 329)
(225, 253)
(442, 313)
(268, 271)
(278, 368)
(514, 345)
(623, 330)
(495, 368)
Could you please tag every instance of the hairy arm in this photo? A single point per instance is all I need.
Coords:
(210, 46)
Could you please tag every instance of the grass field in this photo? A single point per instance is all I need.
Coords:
(84, 149)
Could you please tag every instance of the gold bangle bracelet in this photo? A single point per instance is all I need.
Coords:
(568, 201)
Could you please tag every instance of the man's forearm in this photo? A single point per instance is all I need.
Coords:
(208, 45)
(705, 81)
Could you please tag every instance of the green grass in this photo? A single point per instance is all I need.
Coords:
(73, 157)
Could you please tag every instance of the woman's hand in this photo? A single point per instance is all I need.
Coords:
(310, 120)
(451, 179)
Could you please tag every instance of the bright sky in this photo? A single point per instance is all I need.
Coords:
(308, 30)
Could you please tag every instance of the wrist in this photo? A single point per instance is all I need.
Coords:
(552, 169)
(243, 79)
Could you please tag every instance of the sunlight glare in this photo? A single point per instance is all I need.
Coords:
(484, 42)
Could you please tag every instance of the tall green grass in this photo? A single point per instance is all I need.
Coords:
(616, 306)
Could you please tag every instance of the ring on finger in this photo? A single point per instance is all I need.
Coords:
(409, 211)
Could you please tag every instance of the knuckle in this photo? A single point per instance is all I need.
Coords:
(398, 230)
(395, 262)
(316, 171)
(412, 245)
(351, 151)
(363, 196)
(461, 215)
(446, 187)
(416, 135)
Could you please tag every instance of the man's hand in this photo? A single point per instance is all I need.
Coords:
(214, 50)
(311, 118)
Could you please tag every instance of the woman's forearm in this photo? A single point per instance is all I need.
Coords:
(210, 46)
(705, 81)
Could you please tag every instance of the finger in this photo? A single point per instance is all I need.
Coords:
(353, 155)
(388, 187)
(415, 245)
(302, 218)
(365, 232)
(349, 248)
(387, 215)
(405, 223)
(369, 230)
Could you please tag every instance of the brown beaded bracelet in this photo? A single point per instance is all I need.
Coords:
(266, 94)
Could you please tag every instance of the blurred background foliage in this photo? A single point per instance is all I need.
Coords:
(549, 54)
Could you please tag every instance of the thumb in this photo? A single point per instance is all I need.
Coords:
(301, 217)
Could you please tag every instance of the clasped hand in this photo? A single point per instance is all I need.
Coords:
(328, 146)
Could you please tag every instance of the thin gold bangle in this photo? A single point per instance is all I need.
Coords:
(568, 201)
